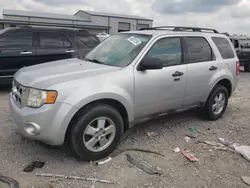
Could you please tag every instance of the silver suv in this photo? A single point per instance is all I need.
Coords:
(129, 77)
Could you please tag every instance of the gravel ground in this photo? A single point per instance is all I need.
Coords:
(216, 168)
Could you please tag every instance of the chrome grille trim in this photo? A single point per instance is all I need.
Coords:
(19, 94)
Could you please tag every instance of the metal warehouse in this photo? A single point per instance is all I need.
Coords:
(95, 22)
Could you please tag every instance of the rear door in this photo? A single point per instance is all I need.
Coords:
(52, 46)
(86, 43)
(202, 67)
(16, 51)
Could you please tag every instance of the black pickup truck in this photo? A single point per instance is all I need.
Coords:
(243, 53)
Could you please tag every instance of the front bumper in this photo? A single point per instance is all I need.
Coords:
(53, 120)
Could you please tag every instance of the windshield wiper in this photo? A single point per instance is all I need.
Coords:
(94, 60)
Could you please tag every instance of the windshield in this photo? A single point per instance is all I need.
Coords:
(118, 50)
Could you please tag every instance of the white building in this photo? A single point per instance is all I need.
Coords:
(95, 22)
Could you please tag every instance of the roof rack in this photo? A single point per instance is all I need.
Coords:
(180, 28)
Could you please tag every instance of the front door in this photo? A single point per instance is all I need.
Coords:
(52, 46)
(161, 90)
(16, 51)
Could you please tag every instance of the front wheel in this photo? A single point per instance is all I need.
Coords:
(96, 132)
(216, 103)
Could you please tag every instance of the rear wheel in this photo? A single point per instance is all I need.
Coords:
(246, 68)
(216, 103)
(96, 132)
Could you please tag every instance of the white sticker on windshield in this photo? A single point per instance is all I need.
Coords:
(135, 41)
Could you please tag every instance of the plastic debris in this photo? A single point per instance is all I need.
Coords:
(187, 138)
(103, 162)
(192, 129)
(142, 166)
(35, 164)
(152, 134)
(246, 180)
(226, 142)
(243, 150)
(74, 178)
(176, 150)
(189, 156)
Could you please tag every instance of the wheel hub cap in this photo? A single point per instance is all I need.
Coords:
(99, 134)
(219, 103)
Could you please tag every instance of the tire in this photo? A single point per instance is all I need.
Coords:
(78, 137)
(246, 68)
(210, 112)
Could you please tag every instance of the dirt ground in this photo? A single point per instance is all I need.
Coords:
(215, 169)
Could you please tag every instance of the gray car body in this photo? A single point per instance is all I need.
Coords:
(141, 93)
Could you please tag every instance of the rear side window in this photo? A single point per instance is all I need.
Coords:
(18, 39)
(224, 47)
(53, 40)
(199, 50)
(88, 40)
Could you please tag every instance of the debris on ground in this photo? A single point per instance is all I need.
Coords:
(226, 142)
(215, 145)
(201, 132)
(144, 167)
(74, 178)
(152, 134)
(192, 134)
(103, 162)
(192, 129)
(35, 164)
(243, 150)
(9, 181)
(189, 156)
(177, 150)
(246, 180)
(187, 138)
(137, 149)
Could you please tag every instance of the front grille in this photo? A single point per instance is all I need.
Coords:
(18, 92)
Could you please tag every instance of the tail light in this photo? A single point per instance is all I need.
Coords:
(237, 68)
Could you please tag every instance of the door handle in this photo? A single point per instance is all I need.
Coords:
(70, 51)
(213, 68)
(177, 73)
(25, 53)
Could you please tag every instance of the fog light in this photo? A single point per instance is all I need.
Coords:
(32, 128)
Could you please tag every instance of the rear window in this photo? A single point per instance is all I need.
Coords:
(198, 50)
(88, 40)
(224, 47)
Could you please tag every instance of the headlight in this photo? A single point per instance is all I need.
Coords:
(37, 98)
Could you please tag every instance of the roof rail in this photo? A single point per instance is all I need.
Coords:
(180, 28)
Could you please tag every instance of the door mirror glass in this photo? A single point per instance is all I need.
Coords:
(150, 63)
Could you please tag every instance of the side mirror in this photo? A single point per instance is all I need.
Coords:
(150, 63)
(236, 44)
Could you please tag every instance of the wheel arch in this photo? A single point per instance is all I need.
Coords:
(106, 101)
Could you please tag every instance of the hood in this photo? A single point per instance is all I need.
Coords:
(44, 75)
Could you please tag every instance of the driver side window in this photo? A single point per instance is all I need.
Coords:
(168, 50)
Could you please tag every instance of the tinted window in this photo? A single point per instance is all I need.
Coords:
(16, 40)
(88, 40)
(168, 50)
(53, 40)
(198, 50)
(224, 47)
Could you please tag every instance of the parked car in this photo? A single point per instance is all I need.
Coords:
(27, 46)
(243, 52)
(127, 78)
(102, 36)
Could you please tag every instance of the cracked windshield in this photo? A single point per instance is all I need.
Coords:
(124, 94)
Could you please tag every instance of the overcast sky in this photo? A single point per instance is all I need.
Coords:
(231, 16)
